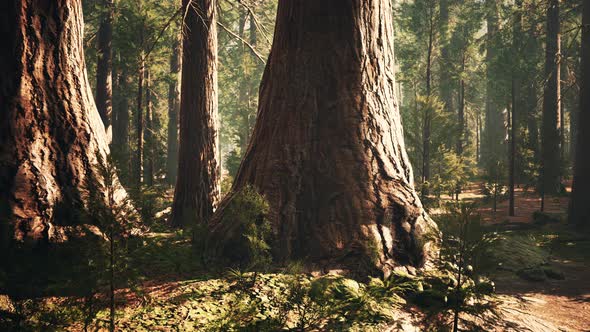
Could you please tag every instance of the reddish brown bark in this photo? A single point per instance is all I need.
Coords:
(50, 131)
(327, 150)
(198, 185)
(104, 65)
(551, 125)
(580, 201)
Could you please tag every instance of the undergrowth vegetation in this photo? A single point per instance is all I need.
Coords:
(163, 285)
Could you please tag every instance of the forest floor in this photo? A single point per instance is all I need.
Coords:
(549, 304)
(174, 293)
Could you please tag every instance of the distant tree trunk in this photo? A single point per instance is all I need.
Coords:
(173, 110)
(478, 137)
(138, 167)
(51, 135)
(120, 146)
(148, 155)
(514, 118)
(580, 200)
(104, 65)
(427, 111)
(461, 112)
(197, 190)
(492, 152)
(445, 63)
(327, 151)
(531, 49)
(550, 155)
(512, 156)
(243, 97)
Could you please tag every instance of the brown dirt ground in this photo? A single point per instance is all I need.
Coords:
(552, 305)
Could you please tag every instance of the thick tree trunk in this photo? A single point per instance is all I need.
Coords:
(197, 190)
(550, 138)
(51, 135)
(104, 65)
(148, 155)
(173, 110)
(327, 150)
(580, 199)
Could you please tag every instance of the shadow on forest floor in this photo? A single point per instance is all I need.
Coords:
(561, 296)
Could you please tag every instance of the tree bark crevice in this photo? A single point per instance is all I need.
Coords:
(327, 150)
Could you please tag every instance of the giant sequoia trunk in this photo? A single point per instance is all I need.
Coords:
(580, 201)
(104, 67)
(51, 134)
(198, 186)
(327, 150)
(551, 125)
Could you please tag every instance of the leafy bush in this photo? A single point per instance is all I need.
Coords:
(456, 287)
(248, 233)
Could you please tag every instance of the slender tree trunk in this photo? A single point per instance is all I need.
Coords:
(148, 155)
(197, 190)
(243, 97)
(328, 154)
(51, 135)
(461, 113)
(550, 153)
(514, 118)
(493, 138)
(445, 60)
(531, 49)
(427, 110)
(478, 137)
(138, 167)
(173, 110)
(580, 200)
(104, 65)
(120, 146)
(512, 156)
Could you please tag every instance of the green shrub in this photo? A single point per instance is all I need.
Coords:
(249, 234)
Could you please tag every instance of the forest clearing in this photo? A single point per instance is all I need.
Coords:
(282, 165)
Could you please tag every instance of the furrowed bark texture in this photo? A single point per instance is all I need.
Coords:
(551, 125)
(580, 201)
(327, 150)
(104, 65)
(198, 186)
(50, 131)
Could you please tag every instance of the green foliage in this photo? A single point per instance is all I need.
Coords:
(514, 252)
(457, 287)
(249, 238)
